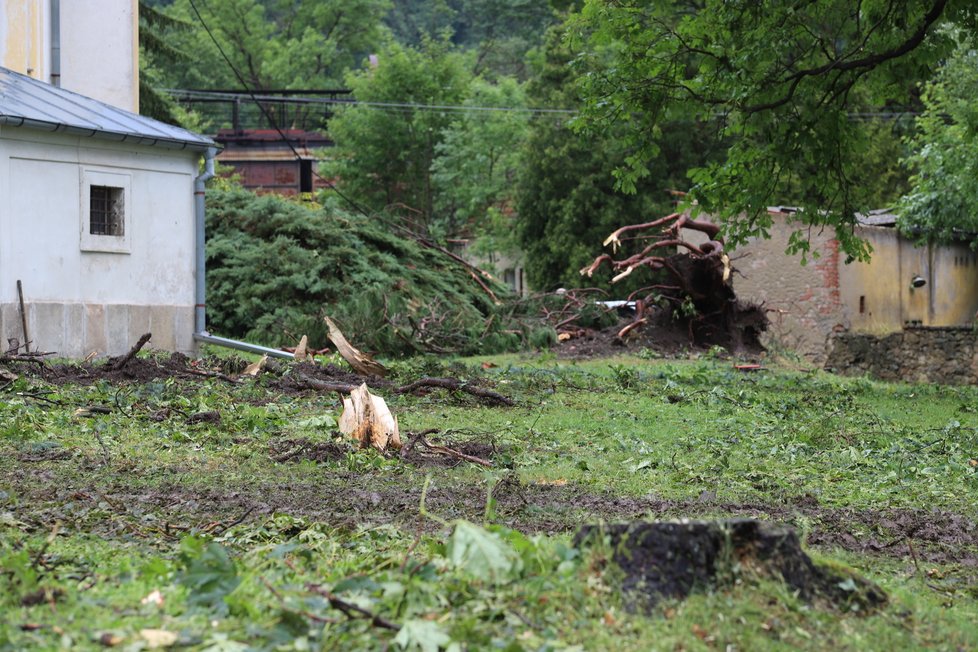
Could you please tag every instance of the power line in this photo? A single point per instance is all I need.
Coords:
(191, 94)
(356, 205)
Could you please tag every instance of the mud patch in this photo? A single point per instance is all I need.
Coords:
(445, 452)
(300, 450)
(671, 560)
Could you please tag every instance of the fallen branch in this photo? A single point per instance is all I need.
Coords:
(119, 363)
(210, 374)
(635, 324)
(455, 385)
(442, 450)
(351, 610)
(323, 386)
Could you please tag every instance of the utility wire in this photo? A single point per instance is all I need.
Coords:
(191, 94)
(356, 205)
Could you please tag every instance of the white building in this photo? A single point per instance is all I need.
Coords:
(97, 221)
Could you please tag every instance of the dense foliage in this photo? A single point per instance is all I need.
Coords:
(568, 201)
(274, 44)
(742, 105)
(275, 267)
(943, 205)
(778, 80)
(385, 148)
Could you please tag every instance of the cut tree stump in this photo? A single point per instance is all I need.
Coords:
(670, 560)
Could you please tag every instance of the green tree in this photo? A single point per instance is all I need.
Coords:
(276, 43)
(477, 161)
(943, 203)
(567, 199)
(385, 147)
(499, 32)
(156, 53)
(777, 80)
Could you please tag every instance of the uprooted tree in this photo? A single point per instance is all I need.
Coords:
(690, 288)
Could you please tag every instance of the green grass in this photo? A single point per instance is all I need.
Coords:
(98, 513)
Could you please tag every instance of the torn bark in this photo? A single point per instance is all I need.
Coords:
(302, 350)
(367, 418)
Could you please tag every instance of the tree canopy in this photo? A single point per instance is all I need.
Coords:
(943, 204)
(777, 83)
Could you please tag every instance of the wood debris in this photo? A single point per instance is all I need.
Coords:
(302, 350)
(362, 363)
(255, 367)
(367, 418)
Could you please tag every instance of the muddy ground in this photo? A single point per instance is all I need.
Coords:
(353, 499)
(59, 486)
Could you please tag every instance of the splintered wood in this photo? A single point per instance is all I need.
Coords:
(367, 418)
(362, 363)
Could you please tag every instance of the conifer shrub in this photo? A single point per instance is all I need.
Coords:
(275, 266)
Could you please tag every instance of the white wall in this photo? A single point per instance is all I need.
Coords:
(99, 46)
(100, 50)
(40, 239)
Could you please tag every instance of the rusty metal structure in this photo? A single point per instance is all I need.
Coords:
(272, 139)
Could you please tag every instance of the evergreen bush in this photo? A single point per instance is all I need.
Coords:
(275, 266)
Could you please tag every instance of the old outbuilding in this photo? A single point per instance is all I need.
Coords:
(98, 223)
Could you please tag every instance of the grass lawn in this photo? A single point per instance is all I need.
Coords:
(196, 513)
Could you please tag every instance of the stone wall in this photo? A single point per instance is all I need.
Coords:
(946, 355)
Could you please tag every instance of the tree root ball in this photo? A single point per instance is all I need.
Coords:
(670, 560)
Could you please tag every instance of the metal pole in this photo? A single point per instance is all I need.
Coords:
(23, 317)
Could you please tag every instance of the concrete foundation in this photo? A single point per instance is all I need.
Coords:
(75, 330)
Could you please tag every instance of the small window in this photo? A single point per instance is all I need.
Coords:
(107, 210)
(862, 304)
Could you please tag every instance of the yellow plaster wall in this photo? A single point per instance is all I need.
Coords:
(874, 285)
(99, 46)
(22, 36)
(878, 296)
(954, 288)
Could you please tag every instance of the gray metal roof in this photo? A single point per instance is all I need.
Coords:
(878, 217)
(27, 102)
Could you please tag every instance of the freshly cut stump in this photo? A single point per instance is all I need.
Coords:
(670, 560)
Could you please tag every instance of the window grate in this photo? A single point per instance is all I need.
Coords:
(107, 211)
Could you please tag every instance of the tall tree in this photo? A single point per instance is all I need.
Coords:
(943, 203)
(568, 202)
(386, 145)
(276, 43)
(778, 80)
(156, 54)
(477, 160)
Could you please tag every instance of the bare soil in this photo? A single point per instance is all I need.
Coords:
(663, 338)
(354, 499)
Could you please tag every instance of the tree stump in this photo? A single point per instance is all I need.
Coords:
(670, 560)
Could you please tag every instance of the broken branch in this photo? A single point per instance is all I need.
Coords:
(455, 385)
(119, 363)
(351, 610)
